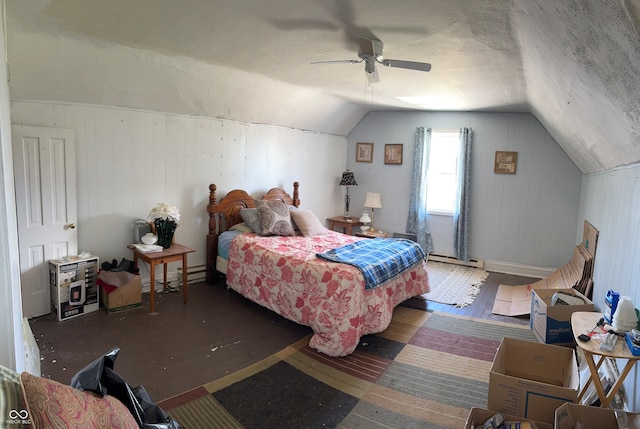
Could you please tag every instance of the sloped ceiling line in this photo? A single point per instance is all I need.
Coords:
(574, 64)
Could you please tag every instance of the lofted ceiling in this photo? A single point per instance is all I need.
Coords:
(574, 64)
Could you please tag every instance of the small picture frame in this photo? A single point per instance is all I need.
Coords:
(364, 152)
(393, 154)
(505, 162)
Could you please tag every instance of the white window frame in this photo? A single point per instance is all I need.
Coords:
(439, 137)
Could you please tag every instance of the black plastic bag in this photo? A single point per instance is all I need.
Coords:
(99, 377)
(89, 378)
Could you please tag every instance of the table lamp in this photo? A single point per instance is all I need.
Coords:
(348, 179)
(372, 201)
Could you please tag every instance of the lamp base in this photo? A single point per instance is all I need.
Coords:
(347, 216)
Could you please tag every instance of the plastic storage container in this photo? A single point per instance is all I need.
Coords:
(610, 305)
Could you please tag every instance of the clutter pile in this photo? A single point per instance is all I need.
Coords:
(120, 286)
(576, 274)
(123, 265)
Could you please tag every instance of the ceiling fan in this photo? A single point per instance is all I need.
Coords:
(370, 51)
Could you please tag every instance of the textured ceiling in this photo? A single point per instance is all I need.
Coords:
(574, 64)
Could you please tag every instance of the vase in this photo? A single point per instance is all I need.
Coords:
(165, 230)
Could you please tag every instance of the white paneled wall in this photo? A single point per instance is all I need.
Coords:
(129, 160)
(529, 218)
(611, 201)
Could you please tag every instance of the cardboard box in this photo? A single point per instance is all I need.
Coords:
(478, 416)
(577, 274)
(551, 324)
(72, 286)
(125, 297)
(516, 300)
(531, 380)
(569, 416)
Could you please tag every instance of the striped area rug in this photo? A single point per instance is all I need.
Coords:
(427, 370)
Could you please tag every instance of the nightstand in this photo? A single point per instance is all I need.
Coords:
(347, 225)
(372, 234)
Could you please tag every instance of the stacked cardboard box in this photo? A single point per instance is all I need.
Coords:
(550, 323)
(570, 416)
(531, 380)
(478, 416)
(124, 297)
(576, 274)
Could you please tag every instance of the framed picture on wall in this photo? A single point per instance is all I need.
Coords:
(505, 162)
(364, 152)
(393, 154)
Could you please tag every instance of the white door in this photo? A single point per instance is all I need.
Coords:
(45, 180)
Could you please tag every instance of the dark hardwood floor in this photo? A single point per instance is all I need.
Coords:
(184, 346)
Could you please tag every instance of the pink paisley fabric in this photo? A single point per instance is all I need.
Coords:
(284, 275)
(55, 405)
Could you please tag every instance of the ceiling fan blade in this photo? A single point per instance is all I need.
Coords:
(411, 65)
(337, 62)
(304, 24)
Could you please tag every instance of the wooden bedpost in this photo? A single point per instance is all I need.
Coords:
(212, 237)
(296, 196)
(213, 228)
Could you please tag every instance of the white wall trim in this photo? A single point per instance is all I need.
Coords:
(174, 278)
(518, 269)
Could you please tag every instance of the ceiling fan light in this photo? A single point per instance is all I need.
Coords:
(373, 78)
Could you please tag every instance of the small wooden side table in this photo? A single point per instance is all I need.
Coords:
(347, 225)
(177, 252)
(372, 234)
(582, 322)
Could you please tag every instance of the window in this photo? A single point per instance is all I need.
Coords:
(441, 177)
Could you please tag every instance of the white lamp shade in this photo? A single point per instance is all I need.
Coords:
(373, 200)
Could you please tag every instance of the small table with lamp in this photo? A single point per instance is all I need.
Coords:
(347, 224)
(372, 234)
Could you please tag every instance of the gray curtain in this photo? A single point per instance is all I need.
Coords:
(461, 209)
(417, 220)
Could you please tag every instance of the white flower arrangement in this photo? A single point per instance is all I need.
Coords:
(165, 212)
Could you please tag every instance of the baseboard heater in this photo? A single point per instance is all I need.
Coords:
(195, 274)
(476, 263)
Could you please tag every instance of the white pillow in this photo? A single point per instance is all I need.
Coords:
(308, 223)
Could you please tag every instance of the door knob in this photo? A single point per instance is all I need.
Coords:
(70, 226)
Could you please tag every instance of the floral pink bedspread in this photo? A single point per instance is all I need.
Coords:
(284, 275)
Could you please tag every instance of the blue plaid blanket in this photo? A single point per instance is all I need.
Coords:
(378, 259)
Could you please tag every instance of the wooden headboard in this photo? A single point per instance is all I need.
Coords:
(226, 213)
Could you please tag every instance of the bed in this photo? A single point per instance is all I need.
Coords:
(284, 273)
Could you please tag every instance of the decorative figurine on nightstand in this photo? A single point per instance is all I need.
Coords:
(366, 222)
